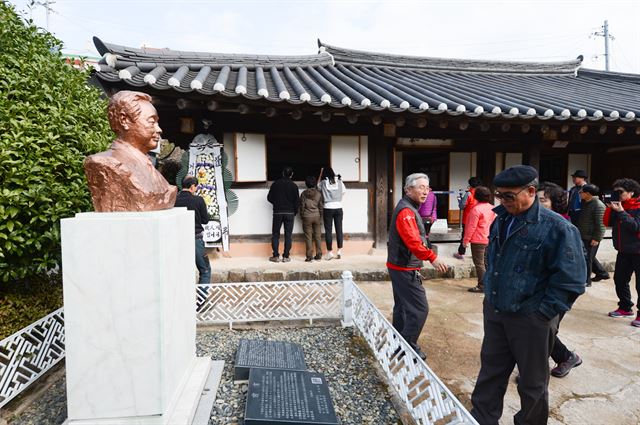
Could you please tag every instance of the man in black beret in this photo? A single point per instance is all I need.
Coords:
(535, 271)
(579, 178)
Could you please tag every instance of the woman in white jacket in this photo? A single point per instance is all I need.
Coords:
(332, 190)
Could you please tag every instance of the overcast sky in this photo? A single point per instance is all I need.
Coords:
(475, 29)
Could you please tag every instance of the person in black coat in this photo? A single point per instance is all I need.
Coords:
(187, 198)
(284, 197)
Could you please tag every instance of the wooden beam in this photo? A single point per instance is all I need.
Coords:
(620, 130)
(352, 118)
(183, 104)
(376, 120)
(463, 125)
(505, 127)
(602, 129)
(325, 116)
(484, 127)
(584, 129)
(564, 128)
(443, 124)
(525, 128)
(212, 105)
(381, 189)
(400, 121)
(544, 129)
(270, 112)
(638, 131)
(296, 114)
(243, 109)
(421, 122)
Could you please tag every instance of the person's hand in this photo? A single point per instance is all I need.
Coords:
(594, 242)
(440, 266)
(617, 206)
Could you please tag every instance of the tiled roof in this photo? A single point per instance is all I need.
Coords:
(342, 78)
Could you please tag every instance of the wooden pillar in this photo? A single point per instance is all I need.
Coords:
(381, 188)
(532, 156)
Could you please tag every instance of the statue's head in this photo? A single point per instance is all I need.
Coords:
(134, 119)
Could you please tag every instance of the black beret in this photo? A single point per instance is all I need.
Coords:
(516, 176)
(591, 188)
(580, 173)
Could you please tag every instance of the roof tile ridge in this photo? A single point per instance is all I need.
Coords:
(367, 58)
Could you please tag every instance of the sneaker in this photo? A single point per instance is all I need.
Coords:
(318, 257)
(476, 289)
(458, 256)
(565, 367)
(286, 259)
(636, 322)
(308, 259)
(274, 259)
(329, 256)
(339, 255)
(599, 278)
(621, 313)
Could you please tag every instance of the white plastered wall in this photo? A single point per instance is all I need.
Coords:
(577, 161)
(398, 179)
(462, 166)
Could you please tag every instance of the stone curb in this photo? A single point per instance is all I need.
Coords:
(461, 271)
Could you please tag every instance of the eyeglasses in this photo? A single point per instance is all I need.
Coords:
(509, 196)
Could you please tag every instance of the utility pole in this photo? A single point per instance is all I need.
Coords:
(605, 33)
(47, 6)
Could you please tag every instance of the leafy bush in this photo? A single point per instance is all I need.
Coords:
(50, 119)
(23, 303)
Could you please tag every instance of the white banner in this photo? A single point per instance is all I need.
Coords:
(205, 163)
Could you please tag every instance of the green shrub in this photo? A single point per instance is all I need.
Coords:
(23, 303)
(50, 119)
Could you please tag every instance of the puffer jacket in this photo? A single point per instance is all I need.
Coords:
(590, 220)
(625, 226)
(539, 268)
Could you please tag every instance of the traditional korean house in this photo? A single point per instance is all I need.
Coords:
(375, 118)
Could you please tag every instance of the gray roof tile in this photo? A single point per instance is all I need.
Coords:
(344, 78)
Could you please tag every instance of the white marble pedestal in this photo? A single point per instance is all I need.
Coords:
(129, 306)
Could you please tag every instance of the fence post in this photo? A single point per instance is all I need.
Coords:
(347, 300)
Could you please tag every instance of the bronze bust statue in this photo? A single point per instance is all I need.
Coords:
(123, 177)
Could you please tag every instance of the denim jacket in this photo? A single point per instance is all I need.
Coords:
(539, 268)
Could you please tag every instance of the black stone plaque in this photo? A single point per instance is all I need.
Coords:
(260, 353)
(285, 397)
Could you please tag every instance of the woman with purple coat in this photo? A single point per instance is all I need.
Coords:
(429, 214)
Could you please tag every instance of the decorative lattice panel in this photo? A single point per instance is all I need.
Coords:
(426, 397)
(29, 353)
(259, 301)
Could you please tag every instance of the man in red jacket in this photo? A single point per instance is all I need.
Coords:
(624, 218)
(406, 250)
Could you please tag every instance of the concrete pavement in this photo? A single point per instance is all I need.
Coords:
(604, 390)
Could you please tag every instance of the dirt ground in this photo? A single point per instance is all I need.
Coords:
(605, 389)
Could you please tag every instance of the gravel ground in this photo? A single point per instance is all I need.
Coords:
(358, 396)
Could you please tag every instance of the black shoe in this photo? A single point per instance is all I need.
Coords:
(308, 259)
(274, 259)
(599, 278)
(588, 284)
(318, 257)
(476, 289)
(418, 351)
(286, 259)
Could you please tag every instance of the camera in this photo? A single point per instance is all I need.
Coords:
(610, 196)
